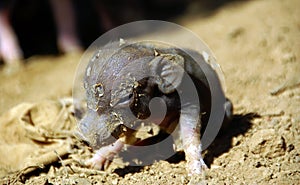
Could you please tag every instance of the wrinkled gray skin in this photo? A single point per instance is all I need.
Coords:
(120, 82)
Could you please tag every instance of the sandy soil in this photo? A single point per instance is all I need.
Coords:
(256, 43)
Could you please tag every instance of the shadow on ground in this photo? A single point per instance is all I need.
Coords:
(240, 124)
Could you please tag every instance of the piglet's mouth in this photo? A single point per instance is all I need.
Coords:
(80, 137)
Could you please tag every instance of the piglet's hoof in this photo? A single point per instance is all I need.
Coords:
(99, 162)
(103, 157)
(196, 167)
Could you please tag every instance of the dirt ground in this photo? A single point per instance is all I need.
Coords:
(257, 45)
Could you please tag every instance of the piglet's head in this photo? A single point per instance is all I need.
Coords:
(119, 90)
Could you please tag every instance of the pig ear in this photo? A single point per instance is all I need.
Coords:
(168, 70)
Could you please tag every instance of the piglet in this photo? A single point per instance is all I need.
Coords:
(130, 85)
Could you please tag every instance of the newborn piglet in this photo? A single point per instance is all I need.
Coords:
(129, 85)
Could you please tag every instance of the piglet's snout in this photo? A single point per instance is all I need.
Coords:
(92, 129)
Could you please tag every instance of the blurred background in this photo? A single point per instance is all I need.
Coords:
(41, 26)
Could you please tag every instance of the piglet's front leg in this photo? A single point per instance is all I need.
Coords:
(190, 136)
(103, 157)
